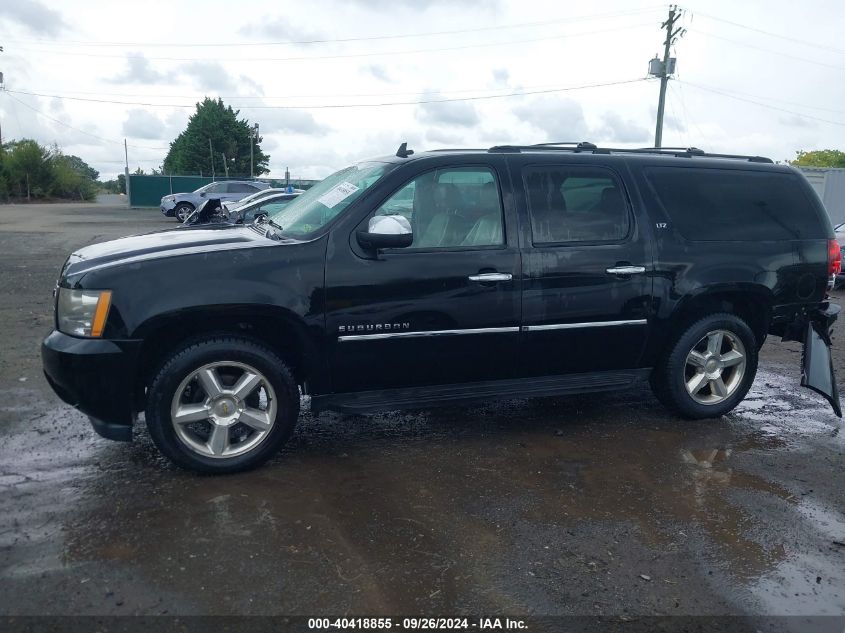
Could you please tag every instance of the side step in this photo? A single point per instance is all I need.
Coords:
(438, 395)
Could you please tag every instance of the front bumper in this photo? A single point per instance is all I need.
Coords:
(97, 377)
(167, 207)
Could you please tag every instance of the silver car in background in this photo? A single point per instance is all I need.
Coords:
(181, 205)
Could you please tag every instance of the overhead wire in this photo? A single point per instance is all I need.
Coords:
(342, 40)
(339, 55)
(760, 103)
(67, 125)
(789, 38)
(764, 49)
(347, 105)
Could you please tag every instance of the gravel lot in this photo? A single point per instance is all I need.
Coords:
(593, 505)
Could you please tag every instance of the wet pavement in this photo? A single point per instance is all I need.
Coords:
(593, 505)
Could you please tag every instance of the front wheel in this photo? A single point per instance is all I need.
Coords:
(222, 405)
(709, 368)
(182, 211)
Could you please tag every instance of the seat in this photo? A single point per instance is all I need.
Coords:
(487, 231)
(444, 229)
(611, 203)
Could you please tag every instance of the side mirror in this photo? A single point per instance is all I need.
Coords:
(387, 231)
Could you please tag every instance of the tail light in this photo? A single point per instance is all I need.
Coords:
(834, 261)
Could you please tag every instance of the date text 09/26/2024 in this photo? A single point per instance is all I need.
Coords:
(430, 624)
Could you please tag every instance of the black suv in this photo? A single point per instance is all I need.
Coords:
(450, 276)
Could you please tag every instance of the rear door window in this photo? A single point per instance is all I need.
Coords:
(734, 204)
(241, 187)
(570, 203)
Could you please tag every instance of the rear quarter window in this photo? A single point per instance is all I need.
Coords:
(735, 205)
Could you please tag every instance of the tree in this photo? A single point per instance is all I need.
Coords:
(76, 163)
(28, 170)
(71, 178)
(819, 158)
(28, 166)
(230, 136)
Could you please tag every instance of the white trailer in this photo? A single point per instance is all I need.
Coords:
(829, 183)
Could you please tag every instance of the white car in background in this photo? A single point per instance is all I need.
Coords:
(234, 205)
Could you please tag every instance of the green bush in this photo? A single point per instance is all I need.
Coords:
(29, 171)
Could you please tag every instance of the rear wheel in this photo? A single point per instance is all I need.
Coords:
(182, 211)
(709, 368)
(222, 405)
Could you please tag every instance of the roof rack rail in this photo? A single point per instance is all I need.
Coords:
(678, 152)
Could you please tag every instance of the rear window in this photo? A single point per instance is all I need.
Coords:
(735, 205)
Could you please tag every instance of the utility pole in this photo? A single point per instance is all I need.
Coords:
(252, 137)
(211, 155)
(225, 165)
(665, 68)
(2, 87)
(126, 175)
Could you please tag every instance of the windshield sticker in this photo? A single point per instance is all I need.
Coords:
(336, 194)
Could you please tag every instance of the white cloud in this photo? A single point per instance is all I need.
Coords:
(438, 111)
(315, 140)
(615, 128)
(34, 16)
(143, 124)
(562, 119)
(139, 70)
(378, 71)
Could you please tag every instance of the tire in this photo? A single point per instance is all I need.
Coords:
(684, 380)
(237, 400)
(182, 211)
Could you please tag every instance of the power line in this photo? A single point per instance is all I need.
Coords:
(765, 50)
(761, 104)
(338, 56)
(348, 105)
(60, 122)
(200, 96)
(770, 34)
(350, 39)
(767, 99)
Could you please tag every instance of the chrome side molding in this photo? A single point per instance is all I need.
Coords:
(488, 330)
(372, 337)
(575, 326)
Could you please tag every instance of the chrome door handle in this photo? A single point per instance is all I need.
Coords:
(626, 270)
(491, 277)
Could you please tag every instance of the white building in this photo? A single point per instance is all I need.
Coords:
(829, 183)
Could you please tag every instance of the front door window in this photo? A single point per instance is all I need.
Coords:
(450, 208)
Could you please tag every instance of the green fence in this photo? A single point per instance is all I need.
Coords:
(147, 191)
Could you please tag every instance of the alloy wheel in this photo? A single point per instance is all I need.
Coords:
(223, 409)
(714, 367)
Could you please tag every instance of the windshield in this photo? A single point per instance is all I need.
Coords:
(324, 201)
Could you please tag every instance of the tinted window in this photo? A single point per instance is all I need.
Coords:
(239, 187)
(575, 204)
(728, 204)
(450, 207)
(217, 187)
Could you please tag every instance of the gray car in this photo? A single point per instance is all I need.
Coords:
(181, 205)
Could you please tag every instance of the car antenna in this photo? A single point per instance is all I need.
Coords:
(403, 151)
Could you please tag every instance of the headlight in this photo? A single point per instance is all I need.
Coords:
(82, 312)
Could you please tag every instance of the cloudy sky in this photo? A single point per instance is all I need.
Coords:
(332, 81)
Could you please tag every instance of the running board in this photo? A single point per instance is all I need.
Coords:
(437, 395)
